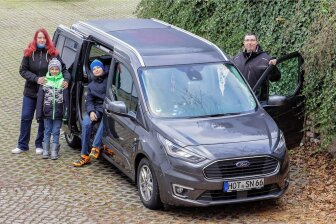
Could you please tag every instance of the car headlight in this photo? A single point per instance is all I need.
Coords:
(179, 152)
(281, 147)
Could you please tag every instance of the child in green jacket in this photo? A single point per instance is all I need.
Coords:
(52, 107)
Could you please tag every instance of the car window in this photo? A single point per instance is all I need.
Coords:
(97, 51)
(196, 90)
(124, 89)
(101, 53)
(60, 43)
(68, 49)
(69, 52)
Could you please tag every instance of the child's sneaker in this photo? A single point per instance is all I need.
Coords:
(94, 153)
(82, 161)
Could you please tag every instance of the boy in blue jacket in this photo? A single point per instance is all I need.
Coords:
(94, 108)
(52, 107)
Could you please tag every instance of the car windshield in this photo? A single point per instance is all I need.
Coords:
(196, 90)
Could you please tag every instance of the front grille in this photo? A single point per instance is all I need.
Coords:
(219, 195)
(228, 169)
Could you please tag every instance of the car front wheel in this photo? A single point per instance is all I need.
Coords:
(72, 140)
(147, 185)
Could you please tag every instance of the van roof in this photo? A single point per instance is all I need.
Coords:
(155, 42)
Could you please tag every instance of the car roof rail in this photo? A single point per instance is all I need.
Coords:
(80, 35)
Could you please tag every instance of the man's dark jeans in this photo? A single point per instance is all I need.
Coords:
(27, 115)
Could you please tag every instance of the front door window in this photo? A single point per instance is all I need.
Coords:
(124, 89)
(288, 83)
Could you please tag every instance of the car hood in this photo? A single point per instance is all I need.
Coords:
(255, 126)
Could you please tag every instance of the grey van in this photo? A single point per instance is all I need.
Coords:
(180, 120)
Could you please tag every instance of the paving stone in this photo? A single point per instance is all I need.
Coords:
(33, 190)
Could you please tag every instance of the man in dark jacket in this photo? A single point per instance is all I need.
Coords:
(94, 108)
(253, 61)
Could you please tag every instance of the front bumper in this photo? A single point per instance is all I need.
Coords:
(199, 191)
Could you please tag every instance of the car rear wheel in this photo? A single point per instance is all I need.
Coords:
(147, 185)
(72, 140)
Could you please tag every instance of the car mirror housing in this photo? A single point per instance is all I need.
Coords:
(276, 100)
(117, 107)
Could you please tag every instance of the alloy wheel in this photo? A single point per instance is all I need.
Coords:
(146, 183)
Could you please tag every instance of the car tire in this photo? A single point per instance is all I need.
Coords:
(147, 185)
(72, 140)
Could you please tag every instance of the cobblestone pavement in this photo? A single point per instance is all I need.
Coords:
(33, 190)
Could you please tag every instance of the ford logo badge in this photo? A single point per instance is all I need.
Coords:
(243, 163)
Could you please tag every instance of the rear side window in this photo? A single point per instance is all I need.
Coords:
(69, 52)
(68, 49)
(60, 44)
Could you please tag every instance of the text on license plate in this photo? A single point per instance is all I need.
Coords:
(241, 185)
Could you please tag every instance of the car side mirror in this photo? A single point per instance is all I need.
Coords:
(117, 107)
(276, 100)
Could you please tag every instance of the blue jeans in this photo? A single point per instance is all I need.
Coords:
(52, 127)
(27, 115)
(87, 126)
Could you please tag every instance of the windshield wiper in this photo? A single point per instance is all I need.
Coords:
(219, 115)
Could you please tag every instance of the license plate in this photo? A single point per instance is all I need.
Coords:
(242, 185)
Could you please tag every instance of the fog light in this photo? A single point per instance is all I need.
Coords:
(181, 191)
